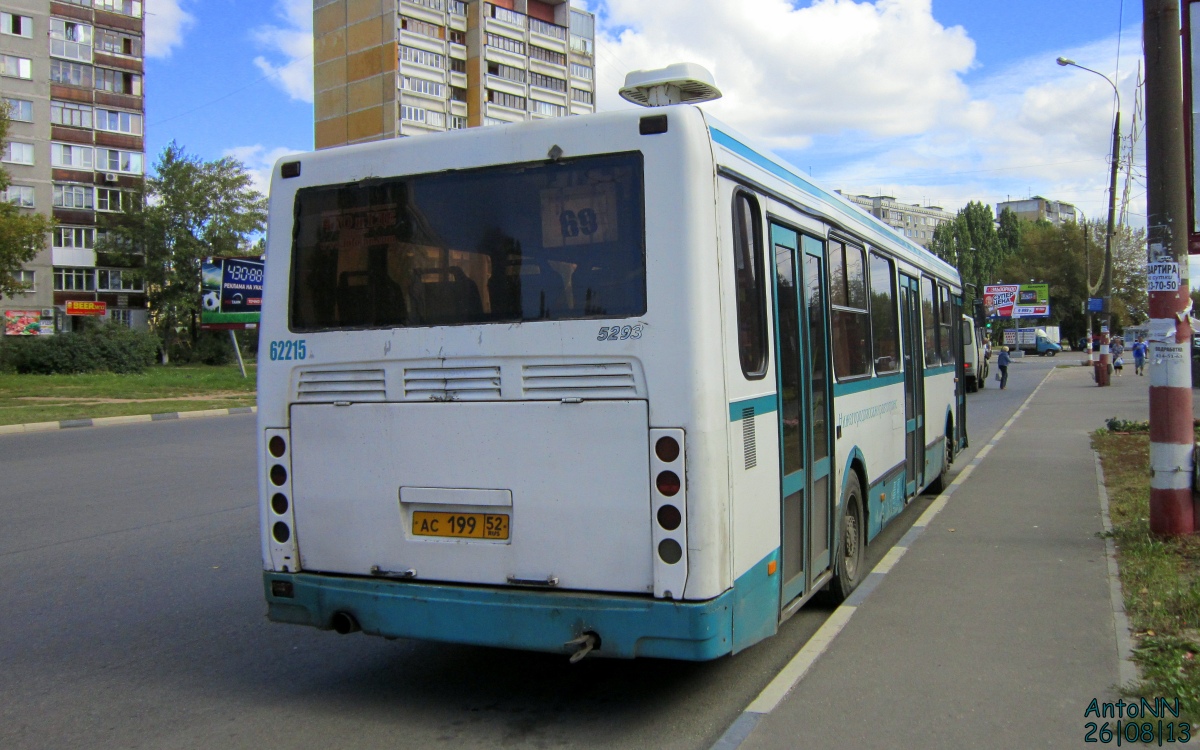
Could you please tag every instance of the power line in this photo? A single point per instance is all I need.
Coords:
(223, 97)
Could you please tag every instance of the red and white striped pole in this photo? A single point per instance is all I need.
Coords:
(1172, 511)
(1102, 371)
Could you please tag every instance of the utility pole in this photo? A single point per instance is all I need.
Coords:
(1171, 433)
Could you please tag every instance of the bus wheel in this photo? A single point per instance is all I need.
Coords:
(848, 568)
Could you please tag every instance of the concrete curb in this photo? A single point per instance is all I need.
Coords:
(66, 424)
(1126, 667)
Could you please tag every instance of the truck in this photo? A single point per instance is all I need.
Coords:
(1043, 340)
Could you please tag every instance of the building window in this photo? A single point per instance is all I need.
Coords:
(507, 72)
(113, 160)
(16, 67)
(118, 82)
(546, 108)
(14, 25)
(421, 57)
(422, 86)
(506, 100)
(457, 7)
(18, 153)
(458, 66)
(457, 123)
(72, 74)
(506, 44)
(124, 7)
(111, 199)
(27, 280)
(70, 156)
(435, 119)
(120, 317)
(495, 121)
(73, 196)
(116, 43)
(423, 28)
(582, 45)
(579, 95)
(547, 82)
(75, 237)
(67, 113)
(20, 195)
(115, 121)
(70, 40)
(506, 15)
(581, 71)
(412, 114)
(112, 280)
(458, 37)
(545, 55)
(19, 110)
(74, 280)
(458, 94)
(548, 29)
(431, 4)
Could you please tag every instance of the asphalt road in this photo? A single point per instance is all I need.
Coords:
(133, 618)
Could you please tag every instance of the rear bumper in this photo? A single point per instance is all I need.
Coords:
(509, 618)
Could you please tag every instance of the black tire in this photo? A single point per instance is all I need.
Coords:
(939, 483)
(850, 555)
(972, 384)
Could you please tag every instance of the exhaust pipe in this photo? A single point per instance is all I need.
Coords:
(582, 646)
(344, 623)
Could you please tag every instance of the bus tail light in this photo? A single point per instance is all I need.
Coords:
(279, 523)
(668, 518)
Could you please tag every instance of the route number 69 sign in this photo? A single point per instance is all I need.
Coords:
(579, 215)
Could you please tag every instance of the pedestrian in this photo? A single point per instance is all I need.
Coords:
(1139, 356)
(1118, 348)
(1002, 362)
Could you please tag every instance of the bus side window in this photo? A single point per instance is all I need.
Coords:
(946, 345)
(929, 318)
(751, 292)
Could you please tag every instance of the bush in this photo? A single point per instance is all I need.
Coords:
(209, 348)
(112, 348)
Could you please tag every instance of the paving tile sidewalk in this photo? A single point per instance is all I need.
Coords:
(996, 628)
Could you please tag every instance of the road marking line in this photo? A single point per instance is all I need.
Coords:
(782, 684)
(68, 424)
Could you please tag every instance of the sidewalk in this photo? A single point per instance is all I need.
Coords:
(996, 628)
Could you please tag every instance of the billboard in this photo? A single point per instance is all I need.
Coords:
(231, 292)
(1016, 300)
(23, 323)
(87, 307)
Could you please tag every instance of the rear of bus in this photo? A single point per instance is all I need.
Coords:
(491, 408)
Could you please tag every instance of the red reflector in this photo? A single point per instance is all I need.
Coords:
(669, 517)
(667, 449)
(667, 483)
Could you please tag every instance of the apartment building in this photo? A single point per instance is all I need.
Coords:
(912, 220)
(1038, 208)
(388, 68)
(71, 75)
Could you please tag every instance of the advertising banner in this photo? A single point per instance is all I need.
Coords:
(22, 323)
(1016, 300)
(87, 307)
(232, 292)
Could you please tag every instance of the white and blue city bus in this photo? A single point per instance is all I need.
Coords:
(621, 383)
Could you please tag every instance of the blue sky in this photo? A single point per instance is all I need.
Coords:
(934, 101)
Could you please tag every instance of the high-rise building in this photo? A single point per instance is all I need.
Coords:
(388, 68)
(71, 74)
(1038, 208)
(912, 220)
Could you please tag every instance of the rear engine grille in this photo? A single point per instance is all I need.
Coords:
(457, 384)
(584, 380)
(325, 386)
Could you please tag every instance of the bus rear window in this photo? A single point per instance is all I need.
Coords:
(547, 241)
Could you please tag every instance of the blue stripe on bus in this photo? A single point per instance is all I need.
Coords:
(866, 384)
(628, 626)
(760, 404)
(794, 482)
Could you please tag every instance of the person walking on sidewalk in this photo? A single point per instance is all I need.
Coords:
(1139, 356)
(1002, 362)
(1118, 349)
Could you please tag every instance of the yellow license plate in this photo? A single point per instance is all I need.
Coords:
(460, 525)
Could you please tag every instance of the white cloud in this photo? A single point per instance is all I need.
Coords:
(876, 95)
(166, 23)
(259, 160)
(289, 49)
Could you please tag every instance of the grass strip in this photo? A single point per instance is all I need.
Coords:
(49, 398)
(1160, 577)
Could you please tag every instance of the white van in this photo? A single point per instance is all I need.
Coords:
(975, 363)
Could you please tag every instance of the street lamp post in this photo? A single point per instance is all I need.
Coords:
(1102, 376)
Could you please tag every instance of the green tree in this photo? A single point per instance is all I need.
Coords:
(22, 234)
(188, 209)
(971, 244)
